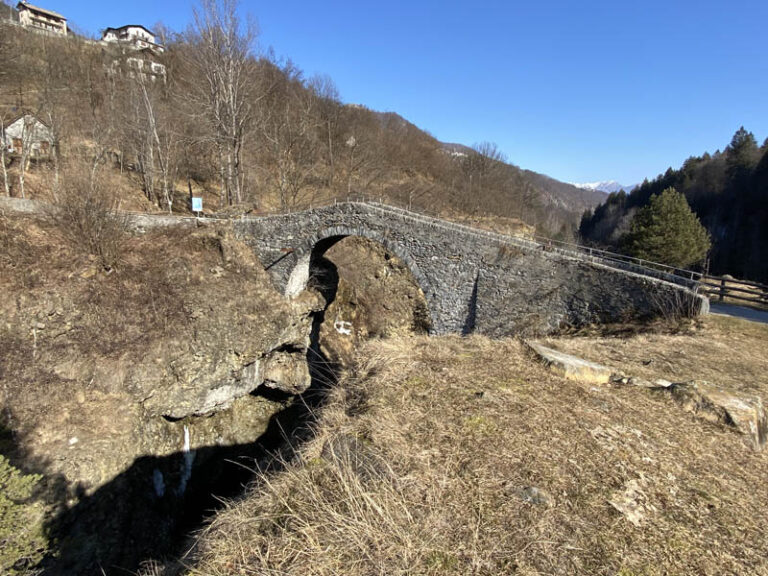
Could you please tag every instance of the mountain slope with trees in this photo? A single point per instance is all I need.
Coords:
(236, 124)
(727, 190)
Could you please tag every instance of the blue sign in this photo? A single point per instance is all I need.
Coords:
(197, 204)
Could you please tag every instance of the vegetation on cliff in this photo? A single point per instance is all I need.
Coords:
(22, 538)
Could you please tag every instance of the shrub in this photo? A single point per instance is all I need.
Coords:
(87, 216)
(22, 540)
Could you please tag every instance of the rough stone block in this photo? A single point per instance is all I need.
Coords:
(571, 367)
(744, 413)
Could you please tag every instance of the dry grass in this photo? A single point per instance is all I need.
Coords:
(727, 351)
(461, 456)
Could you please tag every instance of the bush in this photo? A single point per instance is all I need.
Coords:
(87, 216)
(22, 540)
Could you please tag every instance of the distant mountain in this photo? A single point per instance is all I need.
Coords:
(571, 197)
(568, 197)
(606, 186)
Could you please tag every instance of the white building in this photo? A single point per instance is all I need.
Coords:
(132, 36)
(138, 50)
(41, 19)
(27, 135)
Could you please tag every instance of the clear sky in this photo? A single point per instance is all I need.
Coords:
(578, 90)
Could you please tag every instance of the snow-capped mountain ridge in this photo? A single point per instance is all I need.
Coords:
(606, 186)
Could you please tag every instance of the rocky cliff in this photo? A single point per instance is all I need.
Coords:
(182, 350)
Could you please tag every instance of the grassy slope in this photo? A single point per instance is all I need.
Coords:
(452, 434)
(719, 349)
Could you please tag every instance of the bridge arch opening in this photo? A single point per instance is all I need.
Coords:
(381, 271)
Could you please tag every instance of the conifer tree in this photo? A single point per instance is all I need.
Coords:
(741, 157)
(666, 230)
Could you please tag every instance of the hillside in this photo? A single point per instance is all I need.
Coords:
(96, 372)
(462, 456)
(297, 143)
(727, 190)
(314, 393)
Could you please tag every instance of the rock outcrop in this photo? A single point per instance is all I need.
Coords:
(571, 367)
(119, 388)
(744, 413)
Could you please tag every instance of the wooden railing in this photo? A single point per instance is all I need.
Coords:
(731, 291)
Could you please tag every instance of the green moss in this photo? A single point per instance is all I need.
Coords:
(442, 561)
(480, 425)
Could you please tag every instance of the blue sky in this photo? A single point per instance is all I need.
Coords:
(578, 90)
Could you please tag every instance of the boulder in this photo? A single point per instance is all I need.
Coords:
(571, 367)
(743, 412)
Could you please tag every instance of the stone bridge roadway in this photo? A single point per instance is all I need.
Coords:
(472, 280)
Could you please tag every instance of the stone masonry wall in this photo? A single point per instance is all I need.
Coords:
(472, 280)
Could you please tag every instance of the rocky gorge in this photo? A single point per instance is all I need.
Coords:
(144, 393)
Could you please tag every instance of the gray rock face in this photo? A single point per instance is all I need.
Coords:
(571, 367)
(744, 413)
(472, 280)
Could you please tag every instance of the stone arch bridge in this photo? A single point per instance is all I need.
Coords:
(472, 280)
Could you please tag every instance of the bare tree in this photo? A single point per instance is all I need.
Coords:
(162, 139)
(151, 137)
(290, 126)
(29, 130)
(220, 92)
(329, 104)
(3, 151)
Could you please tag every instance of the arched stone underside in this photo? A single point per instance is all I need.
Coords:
(472, 280)
(313, 249)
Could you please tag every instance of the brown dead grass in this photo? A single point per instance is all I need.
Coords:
(451, 435)
(726, 351)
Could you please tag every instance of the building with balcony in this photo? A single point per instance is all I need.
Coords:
(40, 19)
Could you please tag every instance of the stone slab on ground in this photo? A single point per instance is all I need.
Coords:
(744, 413)
(571, 367)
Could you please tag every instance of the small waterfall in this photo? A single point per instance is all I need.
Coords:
(186, 470)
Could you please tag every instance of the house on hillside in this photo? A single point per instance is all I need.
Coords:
(138, 52)
(40, 19)
(133, 36)
(27, 136)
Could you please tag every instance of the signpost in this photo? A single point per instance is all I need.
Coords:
(197, 205)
